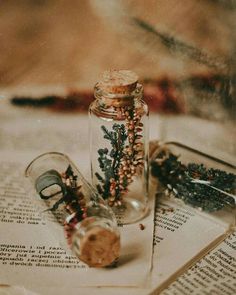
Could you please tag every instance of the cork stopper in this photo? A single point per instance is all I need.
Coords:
(118, 81)
(99, 247)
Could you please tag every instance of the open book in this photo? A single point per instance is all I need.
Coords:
(31, 258)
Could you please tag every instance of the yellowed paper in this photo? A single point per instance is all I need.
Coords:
(30, 254)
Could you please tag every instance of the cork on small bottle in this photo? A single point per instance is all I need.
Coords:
(118, 81)
(99, 247)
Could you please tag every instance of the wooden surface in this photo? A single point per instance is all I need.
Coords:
(71, 42)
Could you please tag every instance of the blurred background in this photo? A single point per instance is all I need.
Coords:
(184, 52)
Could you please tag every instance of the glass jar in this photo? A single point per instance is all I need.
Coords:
(119, 144)
(197, 179)
(89, 226)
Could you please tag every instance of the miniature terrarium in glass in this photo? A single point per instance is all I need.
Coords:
(199, 180)
(69, 201)
(119, 144)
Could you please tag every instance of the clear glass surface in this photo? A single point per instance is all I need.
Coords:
(119, 152)
(76, 206)
(223, 204)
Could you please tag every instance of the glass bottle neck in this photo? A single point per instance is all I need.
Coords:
(117, 100)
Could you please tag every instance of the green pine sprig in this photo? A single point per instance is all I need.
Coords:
(110, 161)
(177, 179)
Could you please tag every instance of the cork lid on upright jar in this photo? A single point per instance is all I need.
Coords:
(118, 81)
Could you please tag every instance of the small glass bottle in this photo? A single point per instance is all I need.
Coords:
(119, 144)
(193, 177)
(89, 226)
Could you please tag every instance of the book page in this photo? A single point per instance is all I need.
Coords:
(30, 255)
(182, 236)
(21, 222)
(213, 274)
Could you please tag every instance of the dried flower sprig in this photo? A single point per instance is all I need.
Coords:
(207, 189)
(71, 197)
(177, 46)
(75, 203)
(125, 159)
(110, 162)
(70, 192)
